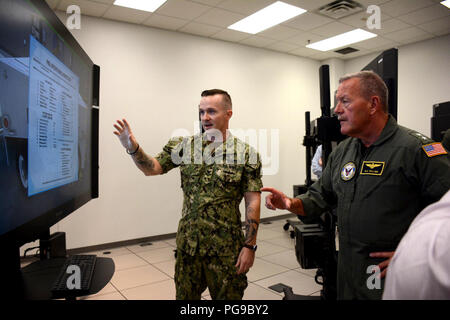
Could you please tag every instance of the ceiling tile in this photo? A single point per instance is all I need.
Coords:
(182, 9)
(212, 3)
(367, 3)
(422, 37)
(163, 22)
(326, 55)
(282, 46)
(245, 7)
(304, 52)
(257, 41)
(219, 18)
(437, 27)
(309, 5)
(126, 14)
(425, 15)
(385, 47)
(397, 8)
(279, 32)
(375, 43)
(307, 21)
(199, 29)
(405, 34)
(303, 38)
(359, 20)
(231, 35)
(391, 26)
(332, 29)
(88, 8)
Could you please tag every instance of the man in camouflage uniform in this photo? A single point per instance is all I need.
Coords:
(379, 180)
(217, 171)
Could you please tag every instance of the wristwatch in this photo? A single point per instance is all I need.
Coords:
(251, 247)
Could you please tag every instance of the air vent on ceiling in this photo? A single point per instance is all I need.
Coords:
(346, 50)
(340, 9)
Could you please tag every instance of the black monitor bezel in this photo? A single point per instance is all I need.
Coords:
(34, 229)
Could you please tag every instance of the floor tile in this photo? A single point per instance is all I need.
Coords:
(172, 242)
(300, 283)
(266, 248)
(168, 267)
(114, 252)
(266, 234)
(154, 245)
(255, 292)
(283, 241)
(262, 269)
(109, 288)
(286, 259)
(158, 255)
(108, 296)
(130, 278)
(164, 290)
(128, 261)
(309, 272)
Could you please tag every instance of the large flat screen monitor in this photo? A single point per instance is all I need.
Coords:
(48, 123)
(386, 66)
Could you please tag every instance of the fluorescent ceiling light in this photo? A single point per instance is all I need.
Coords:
(341, 40)
(144, 5)
(446, 3)
(267, 17)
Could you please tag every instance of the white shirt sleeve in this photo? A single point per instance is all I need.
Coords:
(420, 268)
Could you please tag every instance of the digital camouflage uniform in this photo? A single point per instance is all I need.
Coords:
(378, 192)
(210, 236)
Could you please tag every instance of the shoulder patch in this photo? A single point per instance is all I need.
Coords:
(423, 139)
(434, 149)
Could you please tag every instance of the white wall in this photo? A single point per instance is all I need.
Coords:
(423, 80)
(154, 78)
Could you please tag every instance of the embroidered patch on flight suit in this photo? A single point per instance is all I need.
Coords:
(434, 149)
(372, 168)
(348, 171)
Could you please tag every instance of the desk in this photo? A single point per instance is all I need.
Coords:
(39, 276)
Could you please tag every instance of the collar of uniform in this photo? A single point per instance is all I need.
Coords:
(388, 130)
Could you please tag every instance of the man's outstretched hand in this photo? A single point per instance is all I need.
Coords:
(276, 199)
(125, 135)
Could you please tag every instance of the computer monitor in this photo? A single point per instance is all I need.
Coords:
(386, 66)
(49, 125)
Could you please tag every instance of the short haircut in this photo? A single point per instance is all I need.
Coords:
(371, 84)
(225, 96)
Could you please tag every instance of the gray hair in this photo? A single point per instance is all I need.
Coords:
(371, 84)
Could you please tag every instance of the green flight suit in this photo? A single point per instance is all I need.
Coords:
(214, 179)
(377, 191)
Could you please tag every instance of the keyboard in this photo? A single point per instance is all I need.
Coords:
(75, 276)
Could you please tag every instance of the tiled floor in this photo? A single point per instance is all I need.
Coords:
(147, 272)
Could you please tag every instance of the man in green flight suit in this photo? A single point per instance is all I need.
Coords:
(379, 179)
(217, 171)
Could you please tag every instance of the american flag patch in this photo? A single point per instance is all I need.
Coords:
(434, 149)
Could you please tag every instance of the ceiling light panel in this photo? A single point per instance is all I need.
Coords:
(267, 17)
(446, 3)
(143, 5)
(341, 40)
